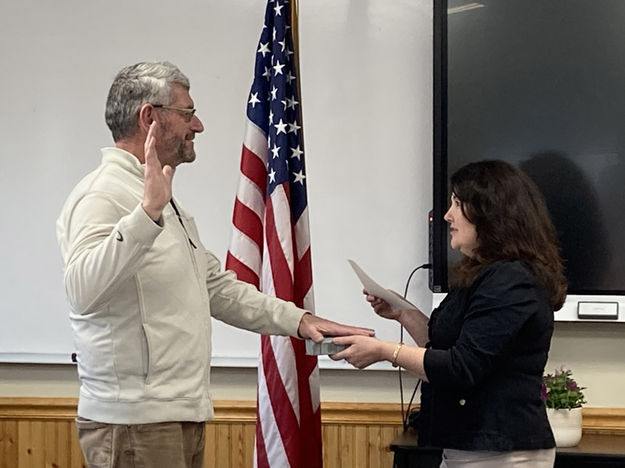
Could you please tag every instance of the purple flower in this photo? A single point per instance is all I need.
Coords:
(572, 385)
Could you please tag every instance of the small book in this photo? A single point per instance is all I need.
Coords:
(326, 346)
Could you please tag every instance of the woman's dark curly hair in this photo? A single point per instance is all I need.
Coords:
(512, 223)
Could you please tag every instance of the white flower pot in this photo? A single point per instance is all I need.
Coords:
(566, 426)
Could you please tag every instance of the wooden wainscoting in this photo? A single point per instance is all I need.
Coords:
(40, 433)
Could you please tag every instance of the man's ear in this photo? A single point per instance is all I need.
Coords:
(147, 115)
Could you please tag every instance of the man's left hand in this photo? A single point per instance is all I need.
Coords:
(316, 328)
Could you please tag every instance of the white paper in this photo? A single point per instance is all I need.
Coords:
(391, 297)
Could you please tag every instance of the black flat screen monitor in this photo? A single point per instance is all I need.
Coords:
(540, 84)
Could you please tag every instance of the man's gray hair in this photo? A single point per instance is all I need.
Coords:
(136, 85)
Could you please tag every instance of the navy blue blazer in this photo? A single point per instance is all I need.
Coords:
(485, 360)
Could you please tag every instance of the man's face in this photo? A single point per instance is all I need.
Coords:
(177, 129)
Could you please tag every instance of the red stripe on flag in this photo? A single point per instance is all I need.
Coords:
(310, 447)
(248, 222)
(281, 273)
(254, 168)
(243, 272)
(261, 453)
(303, 278)
(285, 417)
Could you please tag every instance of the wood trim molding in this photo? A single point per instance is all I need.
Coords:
(226, 411)
(38, 408)
(595, 420)
(331, 412)
(604, 420)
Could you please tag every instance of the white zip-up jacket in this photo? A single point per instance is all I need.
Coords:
(142, 296)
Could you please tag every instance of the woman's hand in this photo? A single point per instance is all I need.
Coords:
(361, 351)
(381, 307)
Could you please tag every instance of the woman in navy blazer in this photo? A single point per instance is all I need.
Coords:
(482, 353)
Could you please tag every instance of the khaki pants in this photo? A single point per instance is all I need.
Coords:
(520, 458)
(167, 445)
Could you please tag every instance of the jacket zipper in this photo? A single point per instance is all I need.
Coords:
(206, 338)
(181, 223)
(191, 243)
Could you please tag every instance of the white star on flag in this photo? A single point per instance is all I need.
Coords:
(293, 127)
(276, 151)
(278, 68)
(296, 152)
(253, 99)
(264, 48)
(299, 177)
(280, 127)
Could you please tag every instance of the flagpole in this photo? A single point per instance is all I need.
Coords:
(295, 27)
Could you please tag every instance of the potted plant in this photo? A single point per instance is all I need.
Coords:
(563, 399)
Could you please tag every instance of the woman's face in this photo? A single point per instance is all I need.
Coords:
(462, 231)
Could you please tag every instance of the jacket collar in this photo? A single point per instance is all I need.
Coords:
(122, 158)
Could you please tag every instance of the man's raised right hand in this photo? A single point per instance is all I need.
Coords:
(158, 179)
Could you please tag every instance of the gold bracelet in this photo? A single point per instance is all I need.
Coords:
(396, 353)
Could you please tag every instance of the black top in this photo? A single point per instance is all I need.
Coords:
(485, 360)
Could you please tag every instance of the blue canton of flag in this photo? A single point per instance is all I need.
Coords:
(274, 106)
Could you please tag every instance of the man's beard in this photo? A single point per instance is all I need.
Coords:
(176, 150)
(185, 154)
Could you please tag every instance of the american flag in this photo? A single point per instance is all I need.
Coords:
(270, 245)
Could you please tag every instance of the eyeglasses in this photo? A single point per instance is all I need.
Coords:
(186, 111)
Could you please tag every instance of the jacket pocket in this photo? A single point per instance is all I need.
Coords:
(145, 354)
(176, 362)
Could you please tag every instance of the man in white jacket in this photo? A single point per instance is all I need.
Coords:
(143, 289)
